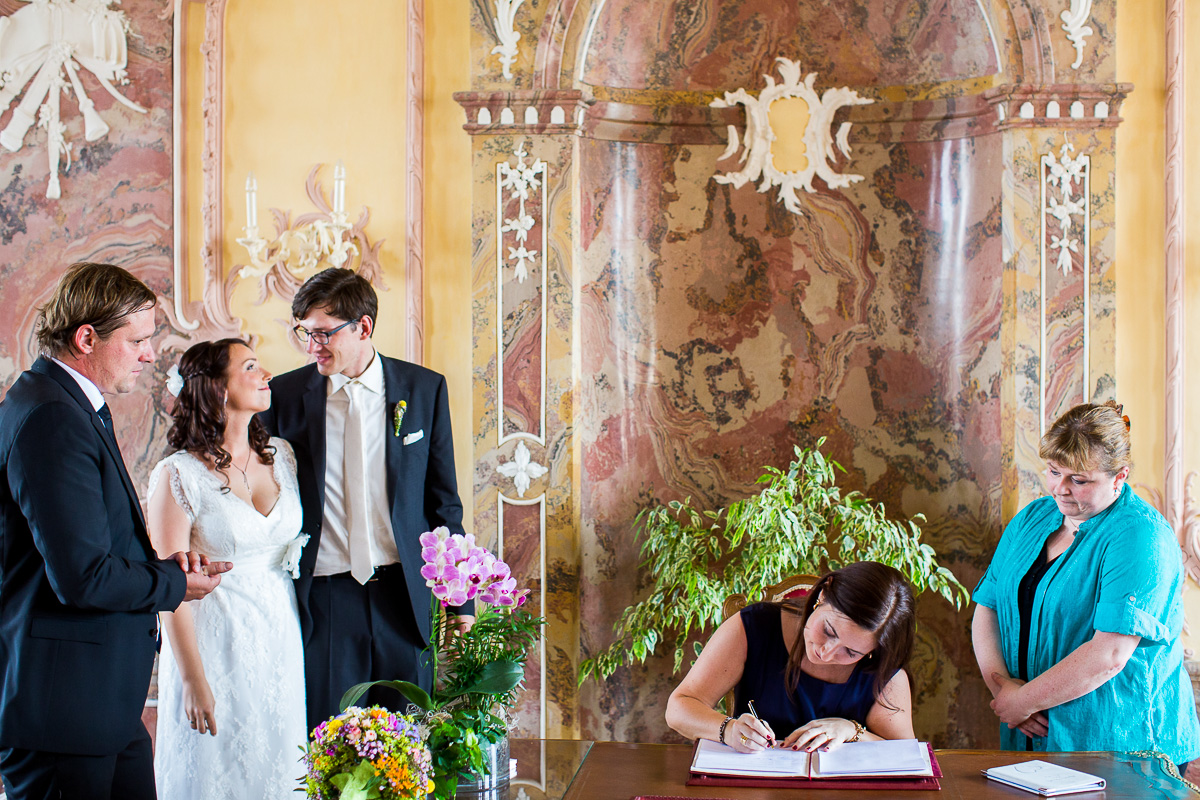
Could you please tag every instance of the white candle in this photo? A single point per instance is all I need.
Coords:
(339, 188)
(251, 201)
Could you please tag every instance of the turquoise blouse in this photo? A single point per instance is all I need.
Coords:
(1122, 574)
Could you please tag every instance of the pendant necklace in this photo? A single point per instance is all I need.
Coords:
(245, 480)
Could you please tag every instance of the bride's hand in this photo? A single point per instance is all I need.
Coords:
(199, 706)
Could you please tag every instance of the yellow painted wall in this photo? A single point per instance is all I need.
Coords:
(310, 82)
(1141, 262)
(307, 82)
(448, 222)
(1140, 234)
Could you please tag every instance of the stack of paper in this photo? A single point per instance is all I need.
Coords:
(1048, 780)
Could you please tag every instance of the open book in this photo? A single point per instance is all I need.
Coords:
(897, 758)
(1048, 780)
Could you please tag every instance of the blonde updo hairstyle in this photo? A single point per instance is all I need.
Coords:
(1088, 437)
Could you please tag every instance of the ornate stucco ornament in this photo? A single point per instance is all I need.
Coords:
(523, 470)
(1068, 174)
(519, 180)
(1075, 24)
(42, 47)
(505, 25)
(818, 137)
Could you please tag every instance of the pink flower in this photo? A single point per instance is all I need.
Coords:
(457, 570)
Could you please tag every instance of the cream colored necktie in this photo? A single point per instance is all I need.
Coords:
(355, 475)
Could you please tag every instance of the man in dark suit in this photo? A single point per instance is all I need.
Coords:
(80, 585)
(376, 470)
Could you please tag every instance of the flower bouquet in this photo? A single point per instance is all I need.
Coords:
(367, 753)
(482, 667)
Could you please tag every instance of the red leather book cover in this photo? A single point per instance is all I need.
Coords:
(850, 782)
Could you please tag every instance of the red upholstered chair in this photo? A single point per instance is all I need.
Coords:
(792, 588)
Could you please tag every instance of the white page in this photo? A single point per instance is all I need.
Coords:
(907, 756)
(1045, 778)
(713, 758)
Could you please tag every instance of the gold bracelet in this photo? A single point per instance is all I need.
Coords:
(859, 730)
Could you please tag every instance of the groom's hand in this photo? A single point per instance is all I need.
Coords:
(191, 561)
(202, 575)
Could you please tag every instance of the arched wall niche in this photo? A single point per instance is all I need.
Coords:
(710, 329)
(1020, 33)
(719, 330)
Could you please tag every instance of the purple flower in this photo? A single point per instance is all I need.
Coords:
(457, 570)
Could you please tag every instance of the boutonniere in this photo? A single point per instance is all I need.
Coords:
(398, 417)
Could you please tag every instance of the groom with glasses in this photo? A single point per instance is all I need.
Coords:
(375, 461)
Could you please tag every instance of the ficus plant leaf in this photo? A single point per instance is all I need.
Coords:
(800, 522)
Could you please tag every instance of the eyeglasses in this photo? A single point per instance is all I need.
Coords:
(320, 337)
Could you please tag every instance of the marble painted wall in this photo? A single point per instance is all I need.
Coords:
(711, 330)
(116, 207)
(720, 330)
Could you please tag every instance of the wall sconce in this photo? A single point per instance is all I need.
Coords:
(299, 247)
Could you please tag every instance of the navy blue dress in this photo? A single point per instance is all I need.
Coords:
(763, 680)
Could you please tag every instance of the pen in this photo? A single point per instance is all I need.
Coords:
(760, 719)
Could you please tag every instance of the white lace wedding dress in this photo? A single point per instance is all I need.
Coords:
(248, 635)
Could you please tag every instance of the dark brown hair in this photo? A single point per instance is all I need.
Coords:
(340, 293)
(199, 412)
(1088, 437)
(874, 597)
(100, 295)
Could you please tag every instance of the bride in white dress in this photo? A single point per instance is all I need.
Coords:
(231, 714)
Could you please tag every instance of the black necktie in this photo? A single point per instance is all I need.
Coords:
(106, 418)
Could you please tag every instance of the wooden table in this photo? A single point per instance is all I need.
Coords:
(618, 771)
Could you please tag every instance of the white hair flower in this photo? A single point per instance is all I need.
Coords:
(174, 381)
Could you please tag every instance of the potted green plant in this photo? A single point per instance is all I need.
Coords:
(799, 523)
(477, 676)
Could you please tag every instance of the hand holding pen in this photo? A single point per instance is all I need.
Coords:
(752, 733)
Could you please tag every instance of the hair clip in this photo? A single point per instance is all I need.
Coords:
(1125, 417)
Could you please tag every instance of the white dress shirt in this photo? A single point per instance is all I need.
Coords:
(333, 556)
(90, 389)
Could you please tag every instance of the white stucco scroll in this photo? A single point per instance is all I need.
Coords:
(818, 135)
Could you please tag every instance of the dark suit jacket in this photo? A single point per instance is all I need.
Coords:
(421, 484)
(79, 581)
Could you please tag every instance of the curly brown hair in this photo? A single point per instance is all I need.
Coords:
(199, 412)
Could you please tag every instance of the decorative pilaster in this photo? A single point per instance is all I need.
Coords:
(525, 222)
(1059, 324)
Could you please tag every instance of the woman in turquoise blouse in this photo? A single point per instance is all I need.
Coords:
(1077, 625)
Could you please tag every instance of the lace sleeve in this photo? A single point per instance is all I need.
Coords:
(286, 456)
(175, 481)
